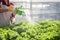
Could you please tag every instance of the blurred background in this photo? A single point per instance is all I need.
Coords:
(36, 10)
(39, 9)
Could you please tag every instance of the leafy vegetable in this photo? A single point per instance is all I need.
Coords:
(43, 30)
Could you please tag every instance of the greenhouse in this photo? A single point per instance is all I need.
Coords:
(29, 19)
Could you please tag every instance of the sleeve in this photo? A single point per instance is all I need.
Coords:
(5, 2)
(0, 0)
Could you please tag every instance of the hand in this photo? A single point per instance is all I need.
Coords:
(10, 8)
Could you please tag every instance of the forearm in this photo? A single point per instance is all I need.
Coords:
(3, 10)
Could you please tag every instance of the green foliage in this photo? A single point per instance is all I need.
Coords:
(8, 34)
(43, 30)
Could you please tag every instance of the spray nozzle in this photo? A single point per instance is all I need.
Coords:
(19, 10)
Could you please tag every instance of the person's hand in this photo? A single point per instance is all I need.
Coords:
(10, 8)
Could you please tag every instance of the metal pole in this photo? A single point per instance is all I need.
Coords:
(31, 8)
